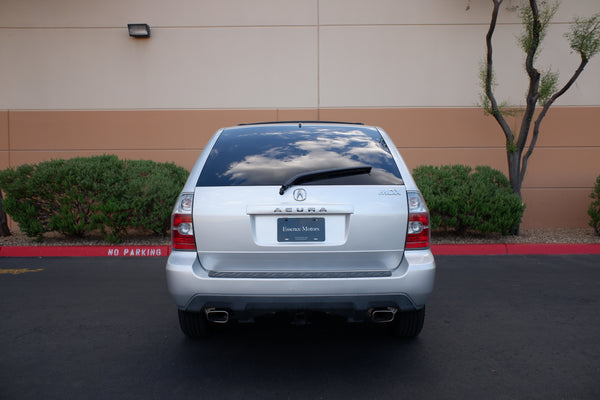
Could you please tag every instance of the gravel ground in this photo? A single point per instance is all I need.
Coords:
(540, 235)
(18, 238)
(545, 235)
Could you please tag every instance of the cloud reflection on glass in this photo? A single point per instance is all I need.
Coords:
(270, 155)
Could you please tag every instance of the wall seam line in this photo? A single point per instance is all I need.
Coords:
(8, 146)
(318, 60)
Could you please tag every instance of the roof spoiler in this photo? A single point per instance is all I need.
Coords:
(301, 122)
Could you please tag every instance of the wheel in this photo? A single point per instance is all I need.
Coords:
(408, 323)
(194, 324)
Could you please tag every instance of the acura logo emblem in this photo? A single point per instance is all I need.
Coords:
(299, 194)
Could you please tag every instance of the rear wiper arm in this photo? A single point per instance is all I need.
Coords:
(323, 174)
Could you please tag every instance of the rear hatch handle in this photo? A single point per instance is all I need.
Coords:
(323, 174)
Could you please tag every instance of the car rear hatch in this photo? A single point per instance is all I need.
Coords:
(300, 200)
(309, 231)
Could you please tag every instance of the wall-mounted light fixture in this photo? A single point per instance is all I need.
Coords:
(139, 30)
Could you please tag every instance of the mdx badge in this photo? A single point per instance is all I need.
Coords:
(391, 192)
(299, 194)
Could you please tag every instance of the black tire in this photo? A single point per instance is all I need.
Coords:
(194, 324)
(408, 324)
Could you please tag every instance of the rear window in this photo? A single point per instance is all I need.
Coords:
(259, 155)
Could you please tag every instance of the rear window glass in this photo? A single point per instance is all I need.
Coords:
(260, 155)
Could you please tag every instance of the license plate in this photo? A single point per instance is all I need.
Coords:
(301, 229)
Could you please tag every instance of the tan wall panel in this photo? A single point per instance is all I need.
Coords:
(571, 126)
(563, 167)
(183, 158)
(548, 208)
(108, 130)
(367, 12)
(548, 168)
(268, 54)
(558, 179)
(566, 127)
(415, 157)
(470, 127)
(92, 13)
(4, 145)
(185, 68)
(4, 159)
(399, 66)
(298, 115)
(555, 55)
(427, 127)
(3, 130)
(436, 66)
(466, 136)
(361, 12)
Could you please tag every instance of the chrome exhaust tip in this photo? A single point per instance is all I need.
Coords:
(217, 316)
(383, 315)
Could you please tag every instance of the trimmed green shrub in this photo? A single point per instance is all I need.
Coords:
(84, 194)
(594, 210)
(462, 199)
(152, 192)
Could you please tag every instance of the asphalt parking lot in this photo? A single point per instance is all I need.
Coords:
(497, 327)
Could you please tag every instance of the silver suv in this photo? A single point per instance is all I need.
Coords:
(300, 218)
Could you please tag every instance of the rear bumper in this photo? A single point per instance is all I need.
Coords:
(406, 288)
(353, 307)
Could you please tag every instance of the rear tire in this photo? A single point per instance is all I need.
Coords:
(194, 324)
(408, 324)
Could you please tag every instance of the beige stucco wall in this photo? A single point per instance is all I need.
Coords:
(237, 54)
(72, 82)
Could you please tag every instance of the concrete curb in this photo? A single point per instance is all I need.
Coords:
(164, 251)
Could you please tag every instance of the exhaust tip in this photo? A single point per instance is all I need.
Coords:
(383, 315)
(217, 316)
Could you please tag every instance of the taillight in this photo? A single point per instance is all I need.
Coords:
(182, 228)
(418, 234)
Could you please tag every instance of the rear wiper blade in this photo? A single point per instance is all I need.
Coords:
(323, 174)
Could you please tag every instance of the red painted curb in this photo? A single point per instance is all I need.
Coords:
(85, 251)
(164, 251)
(514, 249)
(555, 249)
(468, 249)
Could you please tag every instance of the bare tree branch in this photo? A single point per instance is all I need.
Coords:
(545, 108)
(495, 110)
(534, 77)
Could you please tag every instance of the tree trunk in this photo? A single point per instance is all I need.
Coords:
(4, 231)
(514, 170)
(515, 177)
